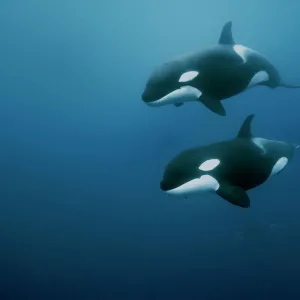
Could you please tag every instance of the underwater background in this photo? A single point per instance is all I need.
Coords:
(81, 157)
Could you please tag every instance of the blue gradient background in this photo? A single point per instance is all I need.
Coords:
(81, 157)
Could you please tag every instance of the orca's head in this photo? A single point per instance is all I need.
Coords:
(171, 83)
(185, 176)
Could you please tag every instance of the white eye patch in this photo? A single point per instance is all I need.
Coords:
(188, 76)
(209, 165)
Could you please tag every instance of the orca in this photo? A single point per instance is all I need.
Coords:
(228, 168)
(211, 75)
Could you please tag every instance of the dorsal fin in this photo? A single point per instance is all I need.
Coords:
(245, 130)
(226, 35)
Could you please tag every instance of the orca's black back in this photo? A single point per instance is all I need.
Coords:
(242, 163)
(223, 73)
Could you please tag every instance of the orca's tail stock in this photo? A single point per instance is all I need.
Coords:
(289, 86)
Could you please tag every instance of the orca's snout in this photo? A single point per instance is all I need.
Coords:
(163, 186)
(145, 96)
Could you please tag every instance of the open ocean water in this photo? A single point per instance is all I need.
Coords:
(81, 156)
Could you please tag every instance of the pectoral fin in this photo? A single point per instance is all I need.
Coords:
(234, 194)
(213, 104)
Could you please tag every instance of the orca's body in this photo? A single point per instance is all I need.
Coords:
(228, 168)
(211, 75)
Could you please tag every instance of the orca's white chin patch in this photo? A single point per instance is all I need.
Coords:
(205, 183)
(183, 94)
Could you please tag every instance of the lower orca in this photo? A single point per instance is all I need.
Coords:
(228, 168)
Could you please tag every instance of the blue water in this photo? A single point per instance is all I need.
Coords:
(81, 156)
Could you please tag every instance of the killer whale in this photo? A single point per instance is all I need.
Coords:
(228, 168)
(211, 75)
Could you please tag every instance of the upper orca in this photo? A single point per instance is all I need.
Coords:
(211, 75)
(228, 168)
